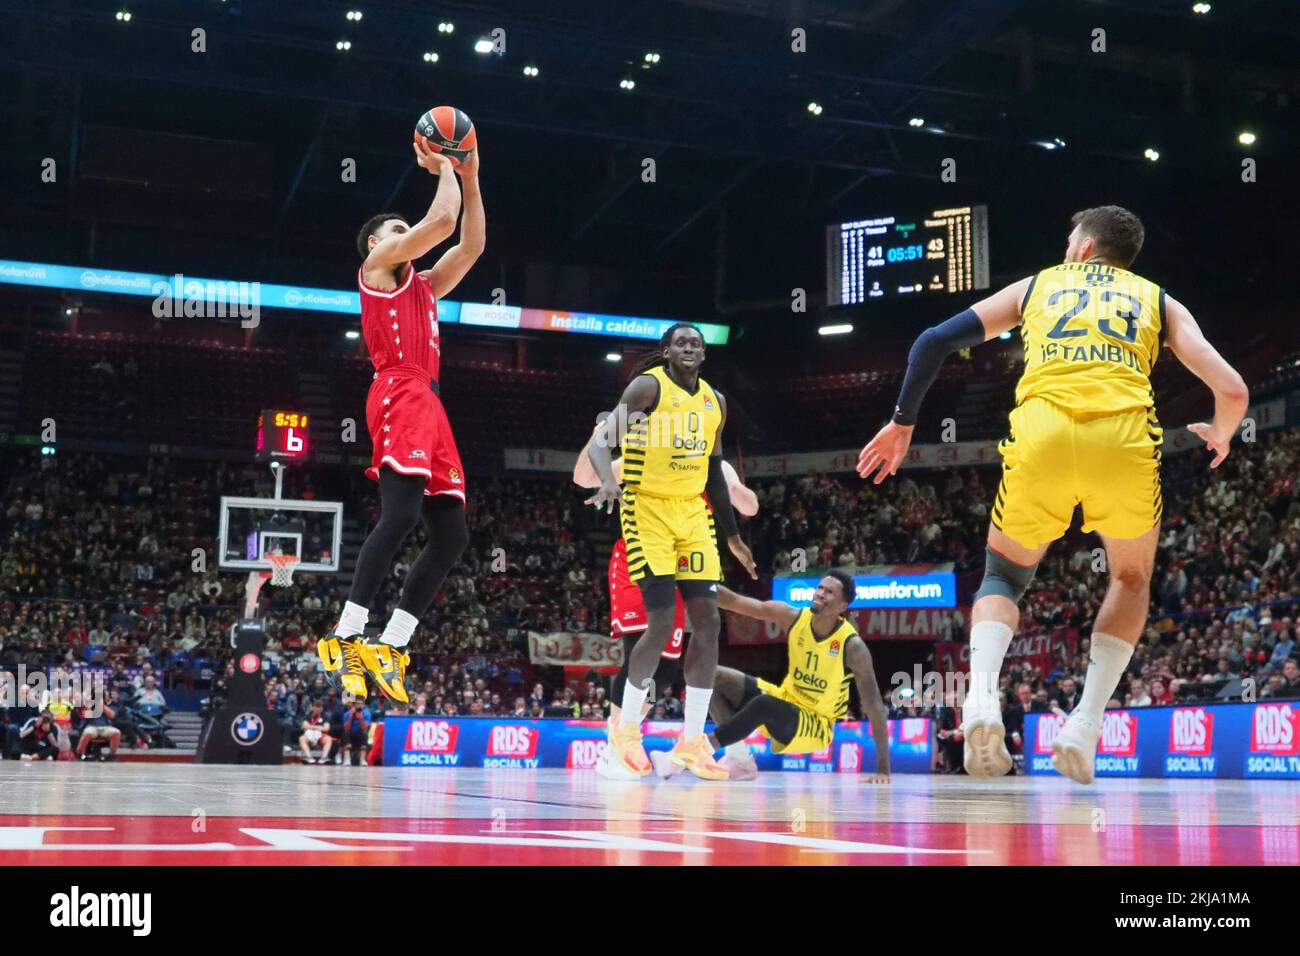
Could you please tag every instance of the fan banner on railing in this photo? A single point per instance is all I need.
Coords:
(566, 649)
(1044, 651)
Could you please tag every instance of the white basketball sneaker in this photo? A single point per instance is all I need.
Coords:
(740, 768)
(663, 764)
(1075, 749)
(985, 753)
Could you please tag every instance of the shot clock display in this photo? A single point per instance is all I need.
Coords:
(884, 257)
(281, 436)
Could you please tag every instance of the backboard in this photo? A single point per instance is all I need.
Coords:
(308, 529)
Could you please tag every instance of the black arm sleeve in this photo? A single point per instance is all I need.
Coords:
(720, 499)
(927, 356)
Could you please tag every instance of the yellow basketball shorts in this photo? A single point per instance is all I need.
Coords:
(815, 730)
(669, 537)
(1053, 460)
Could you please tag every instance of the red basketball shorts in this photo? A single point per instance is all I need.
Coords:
(411, 434)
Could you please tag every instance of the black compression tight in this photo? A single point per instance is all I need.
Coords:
(403, 504)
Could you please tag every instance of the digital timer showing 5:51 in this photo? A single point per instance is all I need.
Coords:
(290, 420)
(904, 253)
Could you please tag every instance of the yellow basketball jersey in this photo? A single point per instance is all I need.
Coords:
(667, 452)
(816, 678)
(1091, 333)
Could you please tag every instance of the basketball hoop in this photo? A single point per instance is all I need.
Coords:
(282, 568)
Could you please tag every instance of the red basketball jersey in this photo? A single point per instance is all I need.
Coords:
(401, 327)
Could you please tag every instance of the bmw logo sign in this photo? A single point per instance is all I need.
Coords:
(247, 729)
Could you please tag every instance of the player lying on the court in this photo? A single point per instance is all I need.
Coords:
(669, 424)
(627, 614)
(1083, 432)
(799, 715)
(415, 459)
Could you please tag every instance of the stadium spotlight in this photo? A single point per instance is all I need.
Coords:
(1151, 154)
(530, 71)
(841, 329)
(352, 334)
(483, 45)
(1246, 138)
(354, 15)
(343, 45)
(652, 57)
(627, 84)
(124, 16)
(815, 108)
(613, 357)
(1200, 8)
(445, 27)
(916, 121)
(431, 57)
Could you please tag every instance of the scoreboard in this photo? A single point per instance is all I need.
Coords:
(885, 257)
(281, 435)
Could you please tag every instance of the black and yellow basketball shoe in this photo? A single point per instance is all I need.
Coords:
(343, 661)
(386, 666)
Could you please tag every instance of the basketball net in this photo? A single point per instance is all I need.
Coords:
(282, 568)
(280, 575)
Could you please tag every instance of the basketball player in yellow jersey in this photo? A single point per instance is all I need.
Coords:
(1083, 432)
(799, 714)
(669, 423)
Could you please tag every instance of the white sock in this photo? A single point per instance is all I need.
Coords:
(400, 628)
(697, 711)
(737, 751)
(1106, 662)
(353, 620)
(989, 641)
(633, 698)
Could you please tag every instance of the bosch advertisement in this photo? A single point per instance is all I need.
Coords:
(931, 589)
(579, 744)
(1226, 741)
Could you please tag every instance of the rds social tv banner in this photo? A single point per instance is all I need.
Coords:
(1236, 741)
(579, 744)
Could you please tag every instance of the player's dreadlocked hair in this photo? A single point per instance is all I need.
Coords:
(656, 356)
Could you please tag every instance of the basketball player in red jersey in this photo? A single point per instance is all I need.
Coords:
(627, 613)
(415, 459)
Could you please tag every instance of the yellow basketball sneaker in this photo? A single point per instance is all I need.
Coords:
(697, 756)
(627, 752)
(341, 657)
(386, 666)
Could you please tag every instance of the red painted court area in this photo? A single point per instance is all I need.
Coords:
(300, 841)
(172, 814)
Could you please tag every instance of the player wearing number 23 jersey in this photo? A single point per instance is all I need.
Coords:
(1084, 429)
(1083, 434)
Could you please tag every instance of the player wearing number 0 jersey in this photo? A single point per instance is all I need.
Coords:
(1083, 432)
(669, 423)
(627, 614)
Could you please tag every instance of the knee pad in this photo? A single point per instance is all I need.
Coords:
(1004, 577)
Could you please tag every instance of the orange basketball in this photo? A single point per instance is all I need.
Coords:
(447, 130)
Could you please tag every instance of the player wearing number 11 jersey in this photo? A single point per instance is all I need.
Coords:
(1083, 432)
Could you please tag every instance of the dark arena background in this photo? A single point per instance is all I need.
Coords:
(183, 389)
